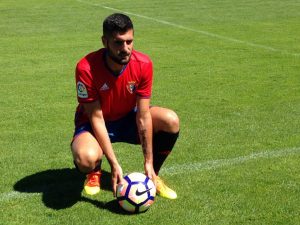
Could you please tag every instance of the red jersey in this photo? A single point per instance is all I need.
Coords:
(117, 94)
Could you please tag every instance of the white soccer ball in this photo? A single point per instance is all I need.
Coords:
(137, 193)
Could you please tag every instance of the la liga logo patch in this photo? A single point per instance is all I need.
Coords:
(131, 86)
(81, 90)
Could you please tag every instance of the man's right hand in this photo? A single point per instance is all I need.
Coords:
(116, 177)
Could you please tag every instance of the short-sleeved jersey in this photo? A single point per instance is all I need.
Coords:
(117, 94)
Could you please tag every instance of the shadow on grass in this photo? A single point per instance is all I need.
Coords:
(62, 188)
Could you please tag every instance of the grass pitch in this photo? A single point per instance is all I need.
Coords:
(230, 69)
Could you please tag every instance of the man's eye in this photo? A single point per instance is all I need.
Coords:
(119, 42)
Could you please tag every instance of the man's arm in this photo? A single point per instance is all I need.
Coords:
(95, 115)
(145, 130)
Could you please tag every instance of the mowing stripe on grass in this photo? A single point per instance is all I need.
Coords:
(214, 164)
(188, 168)
(203, 32)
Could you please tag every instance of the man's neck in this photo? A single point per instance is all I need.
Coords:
(113, 66)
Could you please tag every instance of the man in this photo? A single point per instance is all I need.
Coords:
(114, 87)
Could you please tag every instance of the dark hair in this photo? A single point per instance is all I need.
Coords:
(116, 22)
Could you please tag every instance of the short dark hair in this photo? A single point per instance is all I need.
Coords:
(116, 22)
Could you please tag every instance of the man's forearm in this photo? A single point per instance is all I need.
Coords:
(144, 123)
(102, 137)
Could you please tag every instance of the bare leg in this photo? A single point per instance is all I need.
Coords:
(86, 152)
(164, 119)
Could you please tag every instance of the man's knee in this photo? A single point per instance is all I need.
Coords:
(164, 120)
(86, 160)
(172, 122)
(86, 152)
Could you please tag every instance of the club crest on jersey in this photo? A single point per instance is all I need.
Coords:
(131, 86)
(81, 90)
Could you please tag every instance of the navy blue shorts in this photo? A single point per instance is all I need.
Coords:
(122, 130)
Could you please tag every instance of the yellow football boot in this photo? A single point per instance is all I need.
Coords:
(163, 190)
(92, 183)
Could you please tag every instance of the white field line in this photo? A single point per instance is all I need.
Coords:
(215, 164)
(188, 168)
(203, 32)
(16, 195)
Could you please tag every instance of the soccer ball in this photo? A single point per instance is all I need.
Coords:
(137, 193)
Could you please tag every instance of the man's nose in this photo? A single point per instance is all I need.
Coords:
(125, 46)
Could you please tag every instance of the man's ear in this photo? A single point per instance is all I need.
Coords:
(104, 41)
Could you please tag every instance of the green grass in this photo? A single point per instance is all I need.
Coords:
(231, 72)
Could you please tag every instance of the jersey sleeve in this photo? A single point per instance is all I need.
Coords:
(144, 88)
(84, 84)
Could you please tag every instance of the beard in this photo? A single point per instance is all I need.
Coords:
(122, 58)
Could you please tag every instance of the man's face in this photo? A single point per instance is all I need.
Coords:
(119, 47)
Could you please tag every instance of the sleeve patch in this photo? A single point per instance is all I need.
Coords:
(81, 90)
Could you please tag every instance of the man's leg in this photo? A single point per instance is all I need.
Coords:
(166, 131)
(87, 156)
